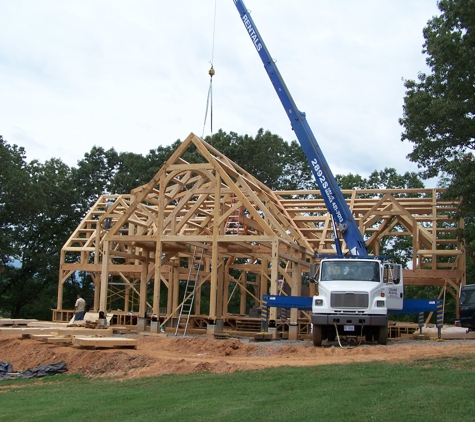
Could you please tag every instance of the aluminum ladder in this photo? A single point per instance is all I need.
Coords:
(190, 289)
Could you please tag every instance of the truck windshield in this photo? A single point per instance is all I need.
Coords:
(350, 270)
(467, 297)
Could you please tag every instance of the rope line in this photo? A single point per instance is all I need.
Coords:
(211, 72)
(214, 32)
(348, 347)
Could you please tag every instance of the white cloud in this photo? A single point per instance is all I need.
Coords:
(133, 75)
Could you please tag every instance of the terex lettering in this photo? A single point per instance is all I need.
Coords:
(252, 32)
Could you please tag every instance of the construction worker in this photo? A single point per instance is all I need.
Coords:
(79, 308)
(108, 221)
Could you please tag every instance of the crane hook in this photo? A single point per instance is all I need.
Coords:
(211, 71)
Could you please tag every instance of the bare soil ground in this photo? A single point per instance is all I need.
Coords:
(183, 355)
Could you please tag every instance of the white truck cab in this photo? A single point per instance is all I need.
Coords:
(352, 298)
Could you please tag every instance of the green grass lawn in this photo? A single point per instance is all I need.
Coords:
(435, 390)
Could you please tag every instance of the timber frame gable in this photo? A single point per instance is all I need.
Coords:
(140, 249)
(215, 207)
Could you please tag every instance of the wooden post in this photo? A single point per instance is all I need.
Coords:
(274, 275)
(264, 285)
(59, 303)
(171, 284)
(142, 317)
(157, 277)
(143, 285)
(225, 280)
(127, 299)
(97, 291)
(214, 251)
(242, 291)
(158, 248)
(197, 300)
(104, 276)
(221, 296)
(295, 291)
(175, 290)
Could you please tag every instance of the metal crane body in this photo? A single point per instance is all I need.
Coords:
(334, 200)
(352, 296)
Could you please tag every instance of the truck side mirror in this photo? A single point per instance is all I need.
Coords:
(396, 274)
(392, 273)
(312, 273)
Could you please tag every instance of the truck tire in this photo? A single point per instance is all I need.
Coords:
(317, 335)
(383, 335)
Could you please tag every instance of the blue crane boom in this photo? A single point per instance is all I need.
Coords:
(334, 200)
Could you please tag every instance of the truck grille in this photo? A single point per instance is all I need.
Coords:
(349, 300)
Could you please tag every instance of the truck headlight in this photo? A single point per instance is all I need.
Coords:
(380, 303)
(318, 302)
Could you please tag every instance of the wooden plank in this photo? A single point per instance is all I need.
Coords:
(47, 324)
(248, 324)
(73, 331)
(47, 338)
(104, 342)
(40, 337)
(29, 331)
(57, 331)
(59, 340)
(125, 268)
(15, 322)
(263, 337)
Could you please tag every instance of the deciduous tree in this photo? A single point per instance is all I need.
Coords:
(45, 217)
(439, 108)
(276, 163)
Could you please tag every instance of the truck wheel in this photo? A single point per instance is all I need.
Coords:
(317, 335)
(383, 335)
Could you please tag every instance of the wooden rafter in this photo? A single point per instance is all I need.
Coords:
(186, 206)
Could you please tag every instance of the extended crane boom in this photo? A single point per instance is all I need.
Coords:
(335, 202)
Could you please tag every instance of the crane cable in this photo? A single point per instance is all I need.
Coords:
(211, 72)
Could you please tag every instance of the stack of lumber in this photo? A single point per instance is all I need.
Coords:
(65, 334)
(53, 339)
(55, 331)
(15, 322)
(87, 341)
(99, 342)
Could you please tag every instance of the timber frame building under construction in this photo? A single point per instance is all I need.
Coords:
(220, 234)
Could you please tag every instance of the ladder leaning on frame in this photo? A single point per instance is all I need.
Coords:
(190, 289)
(235, 222)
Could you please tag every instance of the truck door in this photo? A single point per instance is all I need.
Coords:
(467, 307)
(392, 277)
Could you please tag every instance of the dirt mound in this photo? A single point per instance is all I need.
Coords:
(183, 355)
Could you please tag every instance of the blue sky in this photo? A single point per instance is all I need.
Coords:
(133, 75)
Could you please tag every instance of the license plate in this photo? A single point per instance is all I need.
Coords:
(349, 328)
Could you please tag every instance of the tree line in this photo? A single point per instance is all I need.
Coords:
(42, 203)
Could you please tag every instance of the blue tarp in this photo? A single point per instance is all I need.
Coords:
(7, 373)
